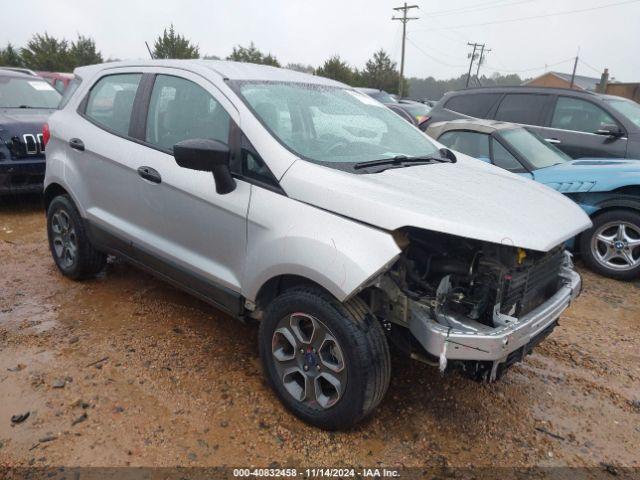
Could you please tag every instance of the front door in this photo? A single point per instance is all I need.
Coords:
(573, 129)
(191, 227)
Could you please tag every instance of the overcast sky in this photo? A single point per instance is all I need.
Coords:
(307, 31)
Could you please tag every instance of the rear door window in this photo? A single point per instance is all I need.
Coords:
(111, 101)
(475, 105)
(181, 109)
(579, 115)
(473, 144)
(526, 108)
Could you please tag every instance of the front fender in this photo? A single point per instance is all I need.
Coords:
(288, 237)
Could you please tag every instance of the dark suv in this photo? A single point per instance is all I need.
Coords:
(26, 101)
(582, 124)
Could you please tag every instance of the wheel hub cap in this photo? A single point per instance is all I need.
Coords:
(616, 245)
(309, 361)
(63, 236)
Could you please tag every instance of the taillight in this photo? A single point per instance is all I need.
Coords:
(46, 134)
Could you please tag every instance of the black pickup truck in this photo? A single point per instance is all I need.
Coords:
(26, 101)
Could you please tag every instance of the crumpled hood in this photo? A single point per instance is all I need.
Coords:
(590, 175)
(469, 198)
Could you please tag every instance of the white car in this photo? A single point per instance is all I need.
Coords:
(309, 206)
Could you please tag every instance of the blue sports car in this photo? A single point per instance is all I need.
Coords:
(607, 189)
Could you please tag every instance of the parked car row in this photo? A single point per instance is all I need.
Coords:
(305, 204)
(580, 123)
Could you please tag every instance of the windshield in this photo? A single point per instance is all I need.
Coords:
(533, 149)
(333, 125)
(27, 93)
(628, 108)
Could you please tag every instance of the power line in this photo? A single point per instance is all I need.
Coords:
(589, 66)
(477, 8)
(495, 69)
(404, 19)
(431, 56)
(545, 15)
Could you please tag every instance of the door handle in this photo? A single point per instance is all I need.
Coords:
(76, 144)
(552, 140)
(150, 174)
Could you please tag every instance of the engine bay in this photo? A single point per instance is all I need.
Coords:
(463, 281)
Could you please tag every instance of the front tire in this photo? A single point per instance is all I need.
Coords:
(328, 362)
(612, 246)
(70, 247)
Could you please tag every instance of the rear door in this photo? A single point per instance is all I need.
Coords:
(528, 109)
(573, 125)
(101, 148)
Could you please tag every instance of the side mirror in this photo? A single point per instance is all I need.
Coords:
(207, 156)
(448, 154)
(610, 130)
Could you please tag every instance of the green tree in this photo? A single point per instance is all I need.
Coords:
(434, 89)
(301, 67)
(10, 57)
(173, 45)
(251, 54)
(337, 69)
(44, 52)
(380, 72)
(83, 52)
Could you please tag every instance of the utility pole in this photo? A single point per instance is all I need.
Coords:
(482, 51)
(575, 65)
(404, 19)
(473, 57)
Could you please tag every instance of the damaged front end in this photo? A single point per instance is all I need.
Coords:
(474, 305)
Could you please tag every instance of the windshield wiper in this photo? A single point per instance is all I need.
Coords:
(447, 156)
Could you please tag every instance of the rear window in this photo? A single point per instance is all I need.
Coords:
(524, 108)
(27, 92)
(474, 105)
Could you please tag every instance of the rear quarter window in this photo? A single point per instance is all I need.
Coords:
(111, 99)
(475, 105)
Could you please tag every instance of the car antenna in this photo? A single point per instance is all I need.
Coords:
(150, 54)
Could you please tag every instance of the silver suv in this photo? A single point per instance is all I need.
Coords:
(312, 208)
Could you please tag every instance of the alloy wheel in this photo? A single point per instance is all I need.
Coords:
(616, 245)
(309, 360)
(65, 241)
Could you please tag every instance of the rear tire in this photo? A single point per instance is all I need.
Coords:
(72, 252)
(612, 246)
(328, 362)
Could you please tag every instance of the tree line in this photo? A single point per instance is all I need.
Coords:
(45, 52)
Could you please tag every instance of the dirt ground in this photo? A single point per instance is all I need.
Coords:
(126, 370)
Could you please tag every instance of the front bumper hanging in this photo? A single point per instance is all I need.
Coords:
(496, 345)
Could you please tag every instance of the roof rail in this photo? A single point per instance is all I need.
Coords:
(523, 87)
(26, 71)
